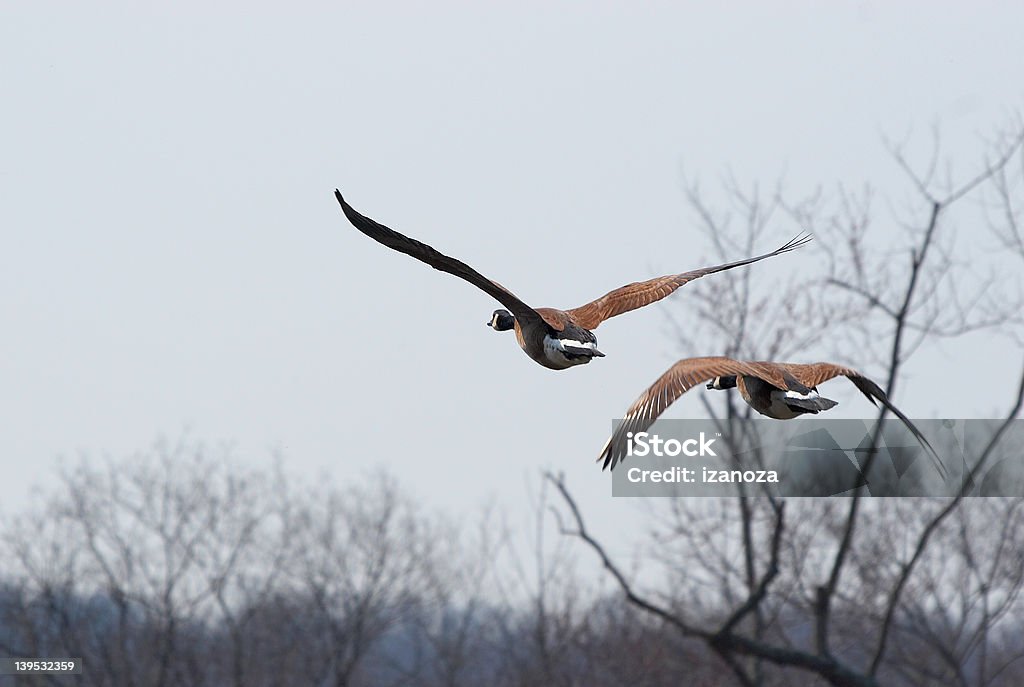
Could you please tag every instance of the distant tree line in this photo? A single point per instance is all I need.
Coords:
(177, 568)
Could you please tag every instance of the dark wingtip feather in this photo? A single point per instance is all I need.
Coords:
(870, 389)
(605, 456)
(345, 207)
(378, 232)
(801, 239)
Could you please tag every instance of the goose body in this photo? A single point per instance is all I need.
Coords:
(556, 339)
(780, 404)
(777, 390)
(559, 345)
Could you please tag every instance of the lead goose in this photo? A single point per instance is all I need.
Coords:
(779, 390)
(556, 339)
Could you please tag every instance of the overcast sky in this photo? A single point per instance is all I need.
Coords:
(172, 255)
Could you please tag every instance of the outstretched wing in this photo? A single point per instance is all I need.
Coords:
(676, 381)
(439, 261)
(812, 375)
(639, 294)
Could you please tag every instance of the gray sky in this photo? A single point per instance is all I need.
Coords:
(173, 257)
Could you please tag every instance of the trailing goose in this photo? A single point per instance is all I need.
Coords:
(779, 390)
(557, 339)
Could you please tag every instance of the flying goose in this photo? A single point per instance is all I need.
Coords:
(779, 390)
(557, 339)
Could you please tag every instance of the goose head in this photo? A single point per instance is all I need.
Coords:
(501, 321)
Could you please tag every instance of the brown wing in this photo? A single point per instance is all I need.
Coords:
(778, 375)
(639, 294)
(815, 374)
(556, 319)
(676, 381)
(523, 313)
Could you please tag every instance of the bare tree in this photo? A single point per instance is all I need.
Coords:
(802, 584)
(357, 555)
(457, 605)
